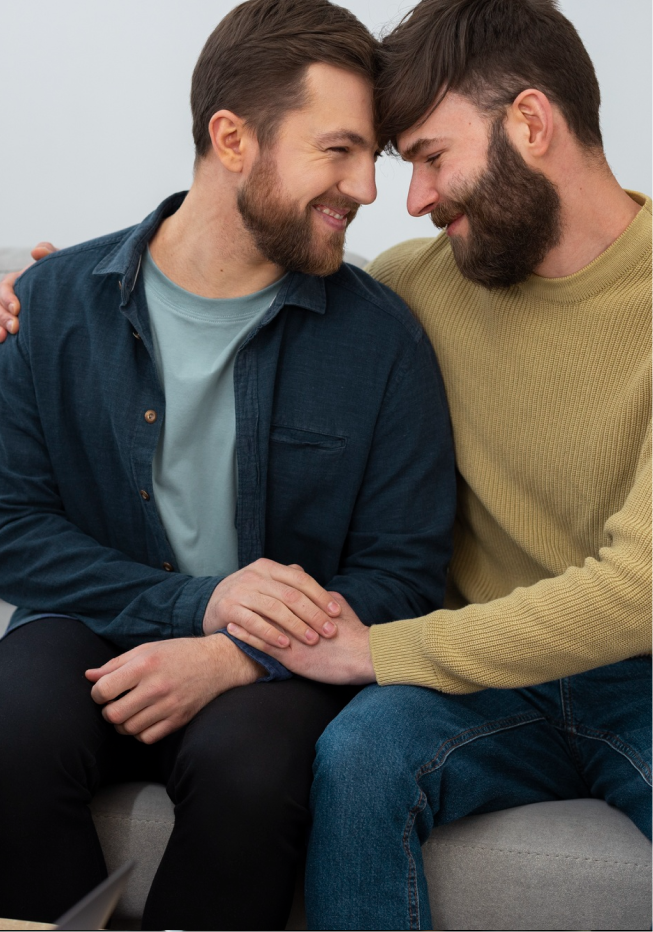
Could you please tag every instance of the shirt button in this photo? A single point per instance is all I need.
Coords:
(137, 335)
(168, 567)
(150, 416)
(144, 495)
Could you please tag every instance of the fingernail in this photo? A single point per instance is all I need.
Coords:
(231, 628)
(12, 308)
(329, 627)
(310, 635)
(10, 325)
(333, 607)
(283, 640)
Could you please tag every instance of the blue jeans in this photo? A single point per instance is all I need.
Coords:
(400, 760)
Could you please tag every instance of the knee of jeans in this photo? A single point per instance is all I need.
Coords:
(353, 747)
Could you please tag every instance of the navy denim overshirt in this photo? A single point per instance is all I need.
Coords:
(345, 458)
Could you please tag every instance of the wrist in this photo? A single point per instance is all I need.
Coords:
(363, 667)
(240, 669)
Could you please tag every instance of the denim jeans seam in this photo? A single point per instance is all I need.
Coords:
(570, 727)
(621, 747)
(412, 887)
(473, 734)
(440, 758)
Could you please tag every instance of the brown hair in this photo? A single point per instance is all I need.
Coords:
(254, 61)
(488, 51)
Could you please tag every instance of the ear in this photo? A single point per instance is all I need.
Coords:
(530, 124)
(231, 140)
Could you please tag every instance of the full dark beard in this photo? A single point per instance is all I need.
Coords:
(282, 235)
(513, 214)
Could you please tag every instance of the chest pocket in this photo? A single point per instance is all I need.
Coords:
(307, 471)
(308, 440)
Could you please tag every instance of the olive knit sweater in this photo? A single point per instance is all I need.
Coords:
(548, 384)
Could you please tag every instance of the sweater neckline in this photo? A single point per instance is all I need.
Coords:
(627, 250)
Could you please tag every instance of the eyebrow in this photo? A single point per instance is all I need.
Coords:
(339, 135)
(411, 153)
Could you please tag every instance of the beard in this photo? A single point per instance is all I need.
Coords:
(283, 234)
(513, 214)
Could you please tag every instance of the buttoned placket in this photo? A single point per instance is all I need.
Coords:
(147, 415)
(254, 377)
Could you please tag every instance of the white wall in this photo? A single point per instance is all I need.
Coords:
(95, 127)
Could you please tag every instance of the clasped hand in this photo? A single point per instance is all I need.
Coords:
(273, 603)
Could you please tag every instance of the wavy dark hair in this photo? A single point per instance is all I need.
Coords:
(488, 51)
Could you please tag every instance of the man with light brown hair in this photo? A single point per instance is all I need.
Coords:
(209, 418)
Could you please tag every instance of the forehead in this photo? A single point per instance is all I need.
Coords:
(336, 100)
(455, 119)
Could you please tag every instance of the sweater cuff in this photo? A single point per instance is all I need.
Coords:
(398, 653)
(399, 656)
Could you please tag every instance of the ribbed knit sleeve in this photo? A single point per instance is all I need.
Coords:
(549, 387)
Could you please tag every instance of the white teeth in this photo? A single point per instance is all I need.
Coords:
(331, 213)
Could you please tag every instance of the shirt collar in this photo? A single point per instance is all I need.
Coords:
(307, 291)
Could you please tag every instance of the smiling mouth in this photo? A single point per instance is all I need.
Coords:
(335, 218)
(452, 224)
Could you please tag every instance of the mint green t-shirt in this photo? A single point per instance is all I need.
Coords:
(194, 470)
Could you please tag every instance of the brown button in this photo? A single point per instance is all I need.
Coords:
(144, 495)
(150, 416)
(168, 567)
(137, 335)
(120, 285)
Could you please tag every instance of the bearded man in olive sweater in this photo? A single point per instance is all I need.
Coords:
(537, 300)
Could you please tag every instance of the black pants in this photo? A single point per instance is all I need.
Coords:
(238, 774)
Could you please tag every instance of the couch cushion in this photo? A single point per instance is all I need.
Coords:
(577, 864)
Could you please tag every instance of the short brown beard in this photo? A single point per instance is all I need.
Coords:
(282, 235)
(513, 214)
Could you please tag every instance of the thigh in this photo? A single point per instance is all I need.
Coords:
(398, 761)
(608, 721)
(48, 715)
(54, 745)
(254, 732)
(239, 775)
(45, 698)
(444, 754)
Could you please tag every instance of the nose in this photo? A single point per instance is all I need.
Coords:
(422, 193)
(360, 182)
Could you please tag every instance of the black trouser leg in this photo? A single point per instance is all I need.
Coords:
(240, 782)
(53, 747)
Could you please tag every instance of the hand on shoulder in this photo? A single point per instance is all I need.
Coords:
(9, 303)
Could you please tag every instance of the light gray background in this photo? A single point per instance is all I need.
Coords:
(95, 126)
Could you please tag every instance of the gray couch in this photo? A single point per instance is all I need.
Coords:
(561, 865)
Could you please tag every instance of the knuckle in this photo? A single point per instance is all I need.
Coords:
(317, 616)
(112, 714)
(100, 693)
(290, 595)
